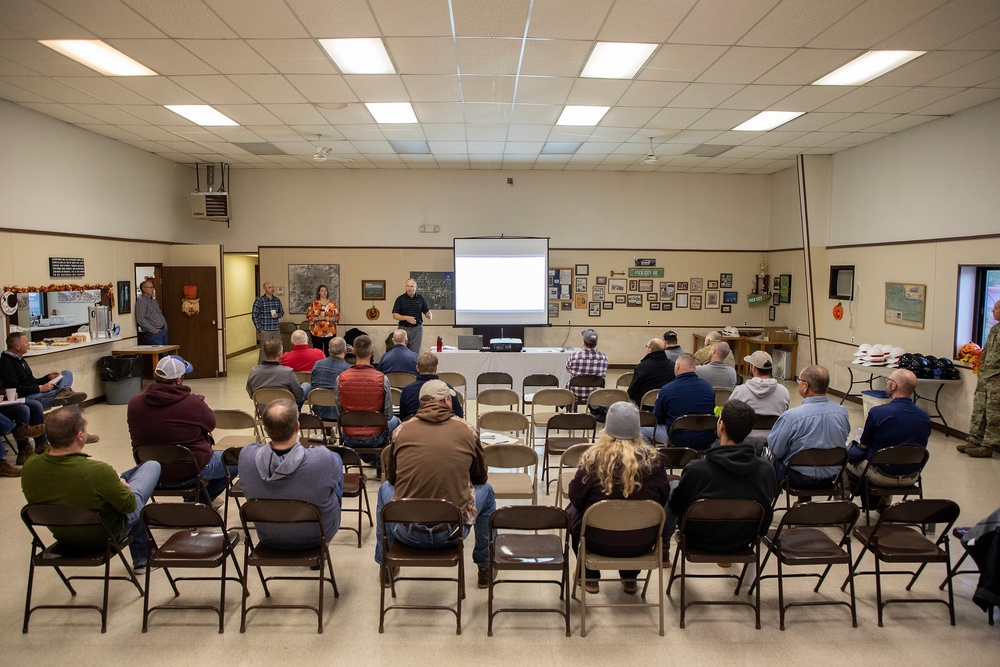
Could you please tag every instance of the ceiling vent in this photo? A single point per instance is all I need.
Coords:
(709, 150)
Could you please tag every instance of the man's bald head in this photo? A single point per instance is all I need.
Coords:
(905, 381)
(656, 345)
(719, 351)
(399, 337)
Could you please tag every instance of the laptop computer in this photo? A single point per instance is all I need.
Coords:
(469, 342)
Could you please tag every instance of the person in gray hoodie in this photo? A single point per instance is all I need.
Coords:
(762, 392)
(284, 469)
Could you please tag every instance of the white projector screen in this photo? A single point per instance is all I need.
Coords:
(501, 281)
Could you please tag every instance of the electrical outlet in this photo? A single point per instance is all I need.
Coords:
(798, 330)
(744, 322)
(648, 322)
(852, 340)
(569, 321)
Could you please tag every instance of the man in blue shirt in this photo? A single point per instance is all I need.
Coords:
(266, 312)
(409, 309)
(400, 359)
(409, 401)
(687, 394)
(818, 423)
(325, 373)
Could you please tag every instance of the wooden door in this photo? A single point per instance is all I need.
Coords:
(198, 335)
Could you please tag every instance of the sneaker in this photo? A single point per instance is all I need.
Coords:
(7, 470)
(592, 585)
(24, 431)
(219, 502)
(140, 570)
(388, 575)
(93, 437)
(485, 575)
(979, 452)
(630, 586)
(25, 454)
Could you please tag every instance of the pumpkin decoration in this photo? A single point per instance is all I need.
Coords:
(838, 311)
(971, 353)
(372, 313)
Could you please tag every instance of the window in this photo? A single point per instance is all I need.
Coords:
(978, 290)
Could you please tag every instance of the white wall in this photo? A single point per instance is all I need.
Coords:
(240, 293)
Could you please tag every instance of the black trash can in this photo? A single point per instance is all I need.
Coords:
(122, 377)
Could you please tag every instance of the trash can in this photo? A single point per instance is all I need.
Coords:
(122, 377)
(871, 398)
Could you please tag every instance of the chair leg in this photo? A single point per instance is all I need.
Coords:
(955, 570)
(582, 577)
(854, 604)
(107, 585)
(222, 593)
(781, 596)
(878, 589)
(680, 557)
(246, 589)
(27, 597)
(948, 572)
(322, 583)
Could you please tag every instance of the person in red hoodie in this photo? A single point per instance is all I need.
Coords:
(167, 413)
(301, 357)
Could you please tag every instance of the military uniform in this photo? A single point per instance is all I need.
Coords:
(984, 430)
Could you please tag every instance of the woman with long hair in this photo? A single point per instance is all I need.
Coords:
(323, 318)
(620, 466)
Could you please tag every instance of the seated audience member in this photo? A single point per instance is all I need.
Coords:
(400, 359)
(284, 469)
(652, 372)
(716, 372)
(762, 392)
(271, 373)
(22, 421)
(438, 455)
(167, 413)
(688, 394)
(818, 423)
(732, 472)
(364, 389)
(50, 390)
(673, 349)
(899, 422)
(325, 374)
(586, 361)
(301, 357)
(620, 466)
(409, 402)
(66, 476)
(711, 338)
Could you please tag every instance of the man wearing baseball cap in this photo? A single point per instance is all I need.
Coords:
(673, 349)
(167, 413)
(587, 361)
(762, 392)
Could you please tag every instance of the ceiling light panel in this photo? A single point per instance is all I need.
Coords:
(202, 114)
(866, 67)
(359, 56)
(581, 115)
(617, 60)
(98, 56)
(392, 112)
(767, 120)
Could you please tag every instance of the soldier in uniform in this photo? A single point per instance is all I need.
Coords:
(984, 431)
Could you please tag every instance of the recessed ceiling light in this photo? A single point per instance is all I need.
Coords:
(97, 55)
(866, 67)
(202, 114)
(767, 120)
(392, 112)
(617, 60)
(359, 56)
(573, 114)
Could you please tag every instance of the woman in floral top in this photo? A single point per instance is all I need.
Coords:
(323, 317)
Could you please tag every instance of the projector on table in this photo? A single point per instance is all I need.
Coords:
(506, 344)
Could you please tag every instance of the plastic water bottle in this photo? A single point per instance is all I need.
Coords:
(440, 344)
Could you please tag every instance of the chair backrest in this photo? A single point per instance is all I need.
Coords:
(553, 398)
(421, 510)
(396, 396)
(908, 455)
(624, 380)
(510, 456)
(607, 397)
(530, 517)
(265, 395)
(180, 515)
(764, 422)
(922, 511)
(234, 420)
(361, 418)
(400, 380)
(675, 458)
(271, 510)
(504, 421)
(231, 457)
(532, 383)
(648, 419)
(494, 378)
(350, 457)
(704, 422)
(180, 459)
(570, 459)
(815, 457)
(454, 379)
(724, 509)
(310, 422)
(572, 421)
(60, 516)
(622, 515)
(587, 381)
(303, 376)
(649, 399)
(322, 397)
(841, 514)
(722, 395)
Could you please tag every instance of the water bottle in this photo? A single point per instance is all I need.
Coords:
(440, 344)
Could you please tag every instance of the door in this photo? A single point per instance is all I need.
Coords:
(196, 333)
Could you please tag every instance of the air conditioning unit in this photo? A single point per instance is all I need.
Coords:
(211, 206)
(782, 369)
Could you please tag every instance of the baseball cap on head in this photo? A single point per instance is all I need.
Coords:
(172, 367)
(435, 390)
(759, 359)
(589, 336)
(670, 336)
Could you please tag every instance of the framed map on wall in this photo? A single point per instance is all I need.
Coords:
(438, 287)
(905, 304)
(305, 279)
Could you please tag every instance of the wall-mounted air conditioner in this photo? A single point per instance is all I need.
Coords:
(211, 206)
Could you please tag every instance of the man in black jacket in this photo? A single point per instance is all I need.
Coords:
(654, 371)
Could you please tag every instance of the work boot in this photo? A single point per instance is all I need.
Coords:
(7, 470)
(964, 446)
(70, 397)
(24, 431)
(25, 454)
(484, 577)
(979, 452)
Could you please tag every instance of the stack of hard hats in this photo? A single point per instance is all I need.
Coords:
(893, 356)
(861, 353)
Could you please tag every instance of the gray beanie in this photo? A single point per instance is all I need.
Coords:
(622, 421)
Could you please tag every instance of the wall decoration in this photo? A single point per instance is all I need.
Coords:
(696, 284)
(598, 293)
(581, 284)
(582, 269)
(609, 305)
(373, 290)
(617, 285)
(905, 304)
(634, 300)
(667, 291)
(712, 299)
(785, 288)
(633, 286)
(303, 279)
(124, 297)
(695, 302)
(655, 305)
(727, 309)
(645, 273)
(726, 280)
(85, 296)
(770, 313)
(774, 298)
(438, 287)
(601, 280)
(644, 261)
(553, 293)
(712, 284)
(762, 285)
(651, 296)
(565, 291)
(66, 267)
(667, 306)
(645, 286)
(566, 305)
(595, 308)
(777, 283)
(730, 297)
(681, 300)
(682, 287)
(554, 309)
(619, 298)
(581, 301)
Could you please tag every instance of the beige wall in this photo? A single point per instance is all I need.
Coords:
(240, 293)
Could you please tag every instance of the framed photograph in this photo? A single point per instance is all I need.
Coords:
(727, 309)
(554, 309)
(712, 299)
(581, 301)
(634, 300)
(667, 291)
(553, 292)
(609, 305)
(595, 308)
(598, 293)
(666, 306)
(696, 284)
(775, 298)
(633, 285)
(601, 280)
(651, 296)
(785, 288)
(581, 284)
(695, 302)
(373, 290)
(645, 285)
(681, 300)
(582, 269)
(905, 304)
(566, 305)
(617, 285)
(682, 287)
(619, 298)
(712, 284)
(564, 291)
(730, 297)
(770, 313)
(726, 280)
(655, 305)
(124, 297)
(303, 279)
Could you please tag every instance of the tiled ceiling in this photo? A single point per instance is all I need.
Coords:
(489, 78)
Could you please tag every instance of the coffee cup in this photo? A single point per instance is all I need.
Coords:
(11, 394)
(274, 313)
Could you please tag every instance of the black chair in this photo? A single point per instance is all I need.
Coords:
(259, 510)
(354, 485)
(58, 555)
(909, 457)
(177, 462)
(234, 490)
(314, 425)
(692, 423)
(532, 383)
(675, 458)
(764, 422)
(494, 379)
(520, 552)
(371, 420)
(585, 381)
(577, 427)
(816, 458)
(191, 547)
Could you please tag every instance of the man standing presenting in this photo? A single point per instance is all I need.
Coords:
(408, 310)
(984, 428)
(438, 455)
(266, 312)
(148, 315)
(66, 476)
(587, 361)
(653, 372)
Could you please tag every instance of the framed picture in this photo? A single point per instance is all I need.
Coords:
(619, 298)
(566, 305)
(712, 299)
(726, 280)
(581, 284)
(303, 279)
(554, 309)
(634, 300)
(682, 287)
(681, 300)
(727, 309)
(601, 280)
(124, 297)
(373, 290)
(667, 306)
(712, 284)
(553, 292)
(609, 305)
(655, 305)
(667, 291)
(582, 269)
(696, 284)
(695, 302)
(633, 286)
(617, 285)
(564, 291)
(730, 297)
(595, 308)
(785, 288)
(651, 296)
(777, 283)
(645, 285)
(774, 298)
(598, 293)
(581, 300)
(905, 304)
(770, 313)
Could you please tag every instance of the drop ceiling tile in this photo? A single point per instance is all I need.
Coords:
(911, 100)
(65, 113)
(375, 146)
(412, 19)
(813, 121)
(403, 132)
(535, 114)
(448, 147)
(294, 56)
(487, 113)
(151, 132)
(228, 55)
(873, 22)
(19, 95)
(694, 137)
(423, 55)
(36, 21)
(676, 119)
(444, 131)
(680, 62)
(183, 19)
(105, 89)
(643, 20)
(214, 89)
(986, 37)
(562, 57)
(360, 133)
(50, 89)
(960, 101)
(704, 95)
(757, 98)
(158, 115)
(268, 88)
(236, 134)
(810, 98)
(928, 67)
(628, 116)
(488, 55)
(858, 122)
(248, 114)
(722, 119)
(335, 18)
(569, 133)
(855, 139)
(599, 92)
(861, 98)
(268, 18)
(796, 22)
(11, 68)
(615, 134)
(275, 133)
(106, 113)
(106, 18)
(543, 90)
(439, 112)
(478, 18)
(42, 60)
(158, 89)
(523, 147)
(651, 93)
(296, 114)
(487, 89)
(597, 147)
(562, 19)
(768, 139)
(806, 65)
(720, 21)
(900, 123)
(164, 56)
(486, 132)
(322, 88)
(527, 132)
(352, 113)
(377, 87)
(973, 74)
(945, 24)
(743, 64)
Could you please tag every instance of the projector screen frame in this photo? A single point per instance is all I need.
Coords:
(532, 255)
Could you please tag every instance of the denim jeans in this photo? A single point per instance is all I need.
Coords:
(30, 412)
(142, 480)
(47, 398)
(214, 474)
(661, 433)
(306, 388)
(422, 537)
(157, 338)
(373, 442)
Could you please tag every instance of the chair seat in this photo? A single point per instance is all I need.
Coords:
(404, 555)
(352, 484)
(61, 555)
(700, 556)
(193, 549)
(234, 440)
(558, 445)
(263, 555)
(808, 546)
(644, 562)
(236, 489)
(528, 552)
(901, 543)
(505, 483)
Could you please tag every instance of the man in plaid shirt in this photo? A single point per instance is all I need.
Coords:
(587, 361)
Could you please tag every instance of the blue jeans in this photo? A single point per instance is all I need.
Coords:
(421, 537)
(661, 433)
(142, 480)
(157, 338)
(306, 388)
(373, 442)
(214, 474)
(47, 398)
